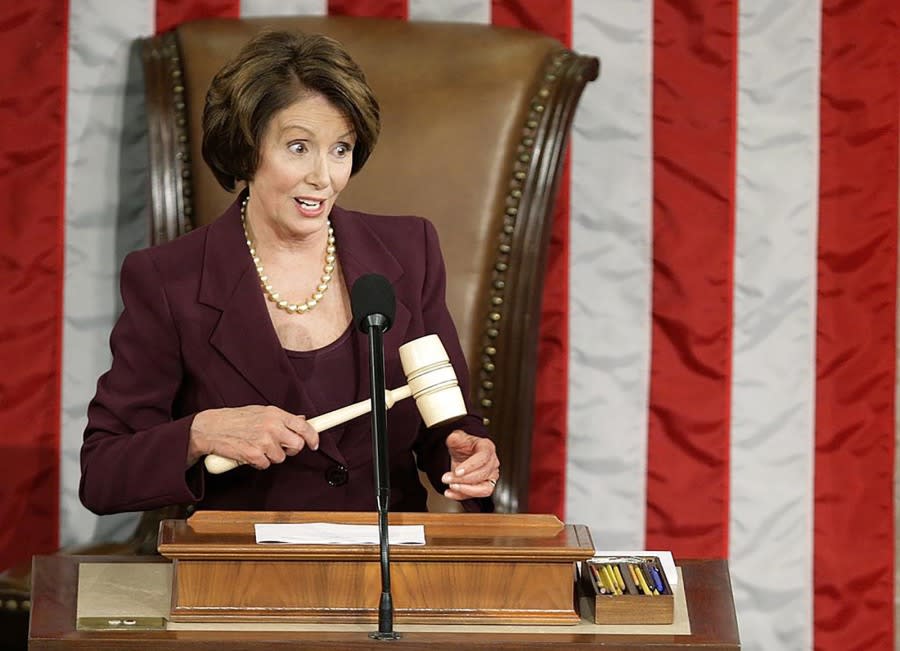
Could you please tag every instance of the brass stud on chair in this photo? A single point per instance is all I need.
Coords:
(523, 164)
(179, 105)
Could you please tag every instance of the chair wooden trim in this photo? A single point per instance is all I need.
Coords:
(504, 370)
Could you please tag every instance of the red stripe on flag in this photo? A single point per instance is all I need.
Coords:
(171, 13)
(548, 458)
(548, 450)
(694, 117)
(553, 19)
(32, 202)
(855, 422)
(369, 8)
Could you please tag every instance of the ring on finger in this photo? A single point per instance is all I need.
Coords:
(493, 482)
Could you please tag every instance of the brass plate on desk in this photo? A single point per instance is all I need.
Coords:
(123, 596)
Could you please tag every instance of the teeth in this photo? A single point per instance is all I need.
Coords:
(309, 204)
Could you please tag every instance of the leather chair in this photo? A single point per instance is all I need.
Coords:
(475, 124)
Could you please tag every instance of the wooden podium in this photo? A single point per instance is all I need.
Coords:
(474, 569)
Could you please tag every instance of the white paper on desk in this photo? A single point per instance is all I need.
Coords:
(328, 533)
(665, 559)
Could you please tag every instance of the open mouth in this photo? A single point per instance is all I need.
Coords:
(308, 205)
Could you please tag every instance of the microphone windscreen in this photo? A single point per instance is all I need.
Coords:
(372, 294)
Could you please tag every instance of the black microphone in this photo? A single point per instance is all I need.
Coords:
(373, 303)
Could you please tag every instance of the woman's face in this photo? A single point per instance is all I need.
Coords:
(306, 156)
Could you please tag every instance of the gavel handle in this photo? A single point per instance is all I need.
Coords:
(216, 464)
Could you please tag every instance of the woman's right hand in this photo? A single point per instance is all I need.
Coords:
(256, 435)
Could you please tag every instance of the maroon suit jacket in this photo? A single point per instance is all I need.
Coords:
(195, 335)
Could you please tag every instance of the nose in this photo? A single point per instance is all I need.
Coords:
(318, 175)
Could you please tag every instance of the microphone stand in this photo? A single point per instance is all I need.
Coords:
(376, 324)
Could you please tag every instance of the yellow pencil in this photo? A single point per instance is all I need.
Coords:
(619, 579)
(634, 577)
(598, 580)
(648, 577)
(610, 579)
(644, 586)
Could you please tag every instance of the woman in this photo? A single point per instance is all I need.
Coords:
(231, 334)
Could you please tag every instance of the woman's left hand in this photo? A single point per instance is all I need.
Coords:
(474, 466)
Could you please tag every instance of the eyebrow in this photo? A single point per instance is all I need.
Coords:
(346, 135)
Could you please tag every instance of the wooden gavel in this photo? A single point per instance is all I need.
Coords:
(431, 381)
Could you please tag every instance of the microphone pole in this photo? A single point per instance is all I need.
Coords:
(373, 304)
(382, 480)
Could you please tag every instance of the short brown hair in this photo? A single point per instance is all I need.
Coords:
(271, 72)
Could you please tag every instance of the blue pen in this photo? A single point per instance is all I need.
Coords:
(657, 579)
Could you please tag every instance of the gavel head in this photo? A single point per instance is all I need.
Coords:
(432, 380)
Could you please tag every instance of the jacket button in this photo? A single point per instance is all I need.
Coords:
(337, 475)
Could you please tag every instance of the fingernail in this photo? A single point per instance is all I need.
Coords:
(460, 471)
(447, 478)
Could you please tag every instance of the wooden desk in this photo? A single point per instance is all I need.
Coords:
(54, 597)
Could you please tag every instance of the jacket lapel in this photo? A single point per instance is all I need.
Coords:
(244, 335)
(362, 252)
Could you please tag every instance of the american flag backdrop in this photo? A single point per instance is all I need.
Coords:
(718, 370)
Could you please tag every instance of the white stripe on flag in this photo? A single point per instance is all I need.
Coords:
(609, 306)
(251, 8)
(457, 11)
(106, 180)
(773, 390)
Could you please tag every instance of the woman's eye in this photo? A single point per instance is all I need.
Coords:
(343, 150)
(297, 147)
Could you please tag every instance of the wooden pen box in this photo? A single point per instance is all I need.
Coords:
(634, 608)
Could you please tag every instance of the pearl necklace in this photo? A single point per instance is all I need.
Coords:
(271, 294)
